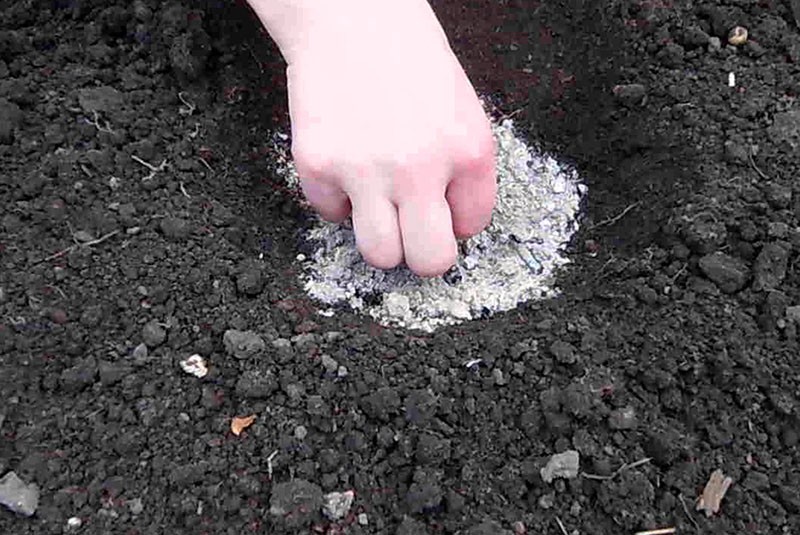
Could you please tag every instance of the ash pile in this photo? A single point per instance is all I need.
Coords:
(513, 261)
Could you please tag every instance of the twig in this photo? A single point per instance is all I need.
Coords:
(61, 253)
(753, 163)
(153, 169)
(59, 290)
(204, 162)
(626, 466)
(617, 217)
(688, 514)
(96, 124)
(679, 273)
(660, 531)
(561, 526)
(269, 463)
(183, 190)
(189, 107)
(512, 114)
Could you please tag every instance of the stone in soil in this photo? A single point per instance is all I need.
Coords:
(728, 273)
(243, 344)
(561, 465)
(336, 505)
(18, 496)
(770, 266)
(153, 334)
(250, 280)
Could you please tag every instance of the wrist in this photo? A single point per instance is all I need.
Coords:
(299, 27)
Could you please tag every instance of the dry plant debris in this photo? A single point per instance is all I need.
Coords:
(240, 423)
(713, 493)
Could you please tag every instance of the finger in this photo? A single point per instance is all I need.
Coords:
(426, 225)
(471, 196)
(377, 231)
(316, 181)
(473, 188)
(330, 202)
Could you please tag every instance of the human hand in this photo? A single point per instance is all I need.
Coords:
(387, 128)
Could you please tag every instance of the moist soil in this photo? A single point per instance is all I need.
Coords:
(671, 353)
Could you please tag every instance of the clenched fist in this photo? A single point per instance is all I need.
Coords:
(386, 127)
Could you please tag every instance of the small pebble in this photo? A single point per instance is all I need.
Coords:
(83, 236)
(140, 354)
(330, 365)
(300, 432)
(243, 344)
(547, 501)
(561, 465)
(624, 418)
(17, 496)
(778, 229)
(153, 334)
(342, 372)
(74, 522)
(499, 378)
(335, 505)
(630, 94)
(363, 519)
(136, 506)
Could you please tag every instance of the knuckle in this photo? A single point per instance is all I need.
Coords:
(478, 152)
(310, 163)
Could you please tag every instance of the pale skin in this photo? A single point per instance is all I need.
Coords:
(386, 127)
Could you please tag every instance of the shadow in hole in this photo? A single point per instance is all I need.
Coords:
(558, 61)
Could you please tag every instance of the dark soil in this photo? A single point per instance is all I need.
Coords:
(675, 338)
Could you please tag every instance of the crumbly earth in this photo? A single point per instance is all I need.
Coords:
(672, 348)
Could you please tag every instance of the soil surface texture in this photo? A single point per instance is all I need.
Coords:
(142, 222)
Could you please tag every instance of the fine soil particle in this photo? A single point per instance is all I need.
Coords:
(671, 353)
